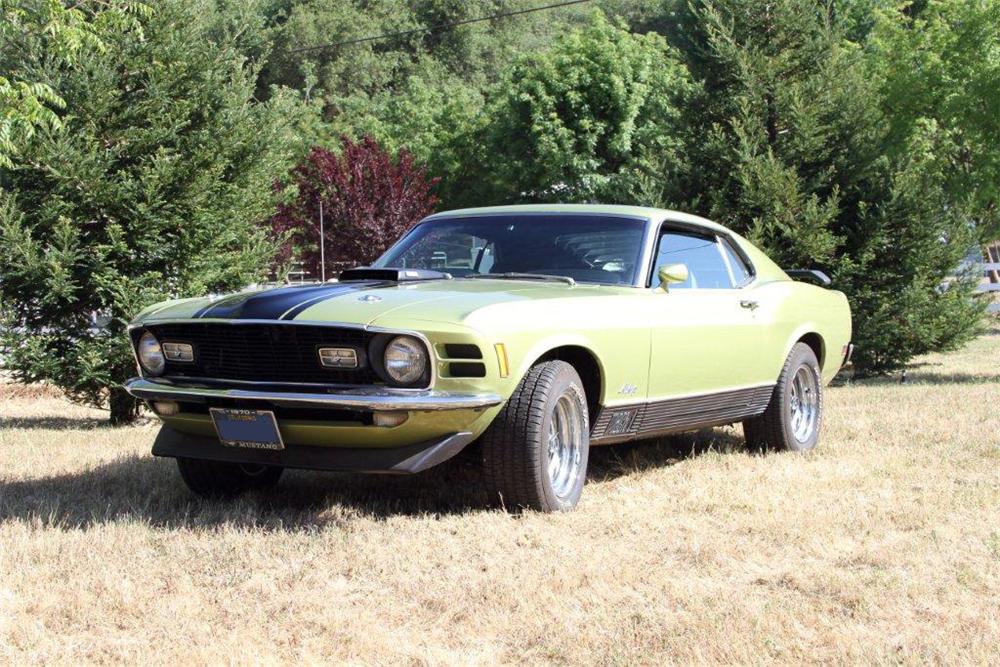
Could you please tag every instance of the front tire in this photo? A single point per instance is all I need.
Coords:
(535, 452)
(794, 415)
(214, 479)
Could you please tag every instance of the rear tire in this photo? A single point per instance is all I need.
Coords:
(535, 451)
(214, 479)
(794, 415)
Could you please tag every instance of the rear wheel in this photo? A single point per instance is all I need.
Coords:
(213, 479)
(793, 417)
(535, 451)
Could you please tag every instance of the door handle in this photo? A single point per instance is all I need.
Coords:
(747, 303)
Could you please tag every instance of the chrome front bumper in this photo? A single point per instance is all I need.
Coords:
(365, 398)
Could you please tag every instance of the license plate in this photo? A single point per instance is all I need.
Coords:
(256, 429)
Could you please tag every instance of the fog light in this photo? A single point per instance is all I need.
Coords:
(178, 352)
(338, 357)
(166, 408)
(389, 418)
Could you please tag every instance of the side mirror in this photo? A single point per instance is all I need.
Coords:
(672, 273)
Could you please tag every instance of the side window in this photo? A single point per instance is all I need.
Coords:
(706, 267)
(741, 272)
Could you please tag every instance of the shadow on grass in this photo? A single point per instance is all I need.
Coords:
(55, 423)
(608, 463)
(919, 377)
(149, 491)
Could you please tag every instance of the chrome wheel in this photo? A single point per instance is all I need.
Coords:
(565, 444)
(804, 403)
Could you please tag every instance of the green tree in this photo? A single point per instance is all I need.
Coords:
(423, 91)
(367, 68)
(793, 149)
(155, 189)
(941, 64)
(27, 103)
(434, 116)
(588, 120)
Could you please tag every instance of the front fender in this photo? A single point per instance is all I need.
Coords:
(540, 348)
(622, 359)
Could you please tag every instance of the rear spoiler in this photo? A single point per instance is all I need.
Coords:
(813, 276)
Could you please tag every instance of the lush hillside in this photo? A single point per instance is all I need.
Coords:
(146, 147)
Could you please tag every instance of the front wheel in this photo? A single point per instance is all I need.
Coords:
(535, 451)
(213, 479)
(792, 419)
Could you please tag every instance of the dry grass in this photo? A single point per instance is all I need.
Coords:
(882, 546)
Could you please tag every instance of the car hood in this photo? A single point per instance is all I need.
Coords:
(368, 302)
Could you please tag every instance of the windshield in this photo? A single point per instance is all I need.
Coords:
(587, 248)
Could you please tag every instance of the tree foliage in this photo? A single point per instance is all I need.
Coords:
(587, 119)
(27, 103)
(369, 199)
(154, 190)
(941, 65)
(857, 137)
(794, 148)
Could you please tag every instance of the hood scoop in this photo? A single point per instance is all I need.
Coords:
(392, 275)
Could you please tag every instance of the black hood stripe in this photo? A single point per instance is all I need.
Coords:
(232, 298)
(359, 286)
(282, 303)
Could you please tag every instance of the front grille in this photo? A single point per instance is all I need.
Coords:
(265, 352)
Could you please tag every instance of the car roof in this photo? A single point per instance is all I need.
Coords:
(654, 214)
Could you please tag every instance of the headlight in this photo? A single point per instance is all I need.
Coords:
(405, 360)
(151, 355)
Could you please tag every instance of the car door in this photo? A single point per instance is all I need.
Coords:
(705, 331)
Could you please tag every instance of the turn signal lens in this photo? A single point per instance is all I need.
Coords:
(389, 417)
(166, 408)
(150, 354)
(502, 359)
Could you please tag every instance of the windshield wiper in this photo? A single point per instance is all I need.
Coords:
(512, 275)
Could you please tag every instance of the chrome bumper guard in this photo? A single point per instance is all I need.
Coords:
(365, 398)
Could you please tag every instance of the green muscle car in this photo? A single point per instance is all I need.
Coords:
(529, 333)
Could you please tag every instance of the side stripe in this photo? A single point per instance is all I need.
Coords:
(619, 423)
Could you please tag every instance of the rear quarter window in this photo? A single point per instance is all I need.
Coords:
(741, 271)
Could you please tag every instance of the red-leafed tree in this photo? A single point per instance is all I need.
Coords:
(369, 199)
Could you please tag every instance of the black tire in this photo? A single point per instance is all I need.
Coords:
(515, 448)
(214, 479)
(776, 428)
